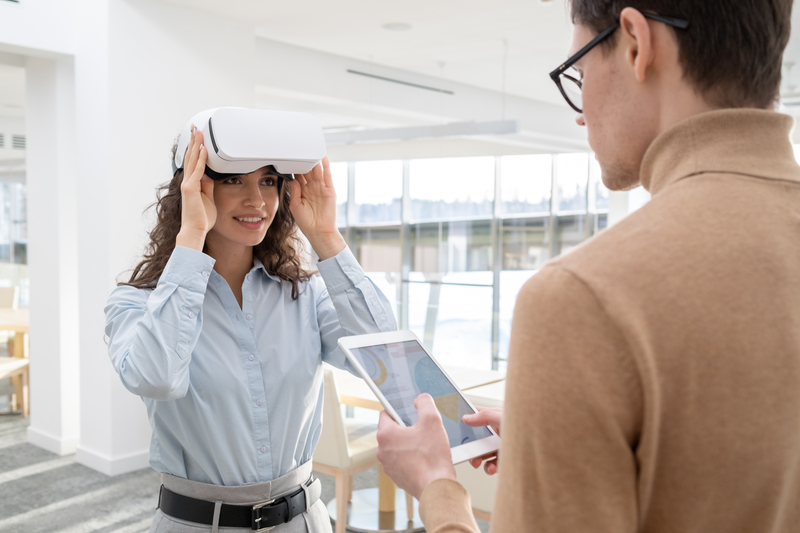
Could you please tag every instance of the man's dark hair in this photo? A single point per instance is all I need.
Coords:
(732, 50)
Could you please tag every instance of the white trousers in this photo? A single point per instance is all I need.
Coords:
(314, 520)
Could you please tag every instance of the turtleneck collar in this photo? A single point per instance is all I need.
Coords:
(731, 141)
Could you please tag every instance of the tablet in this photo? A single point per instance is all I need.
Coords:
(397, 368)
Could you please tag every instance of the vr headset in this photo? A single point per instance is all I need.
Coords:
(240, 141)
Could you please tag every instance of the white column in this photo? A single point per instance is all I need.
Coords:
(52, 255)
(145, 67)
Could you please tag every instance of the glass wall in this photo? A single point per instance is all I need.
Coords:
(14, 239)
(451, 241)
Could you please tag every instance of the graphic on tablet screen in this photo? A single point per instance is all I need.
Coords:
(402, 371)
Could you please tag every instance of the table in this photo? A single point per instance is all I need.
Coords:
(17, 368)
(491, 395)
(353, 391)
(16, 320)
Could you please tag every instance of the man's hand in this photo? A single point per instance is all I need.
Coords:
(418, 455)
(485, 417)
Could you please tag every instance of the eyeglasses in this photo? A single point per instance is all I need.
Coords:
(571, 86)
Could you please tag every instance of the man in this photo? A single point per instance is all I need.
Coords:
(654, 373)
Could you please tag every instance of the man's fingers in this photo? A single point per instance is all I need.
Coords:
(386, 425)
(484, 418)
(490, 467)
(426, 409)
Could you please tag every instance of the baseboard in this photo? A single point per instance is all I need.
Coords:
(51, 443)
(113, 466)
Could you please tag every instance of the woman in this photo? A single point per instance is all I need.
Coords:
(223, 334)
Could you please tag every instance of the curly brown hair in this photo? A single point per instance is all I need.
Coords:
(280, 251)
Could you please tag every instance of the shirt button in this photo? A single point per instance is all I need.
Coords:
(205, 273)
(258, 402)
(249, 317)
(191, 314)
(251, 357)
(263, 449)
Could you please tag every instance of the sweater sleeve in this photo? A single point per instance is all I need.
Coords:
(571, 420)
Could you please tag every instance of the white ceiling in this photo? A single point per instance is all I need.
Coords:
(461, 40)
(464, 41)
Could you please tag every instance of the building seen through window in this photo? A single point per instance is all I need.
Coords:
(454, 250)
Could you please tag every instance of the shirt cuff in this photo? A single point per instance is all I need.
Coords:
(188, 268)
(341, 271)
(445, 506)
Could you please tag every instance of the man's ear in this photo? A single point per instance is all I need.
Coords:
(637, 40)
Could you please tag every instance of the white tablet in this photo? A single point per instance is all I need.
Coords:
(398, 369)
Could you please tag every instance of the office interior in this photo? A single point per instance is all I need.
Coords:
(458, 167)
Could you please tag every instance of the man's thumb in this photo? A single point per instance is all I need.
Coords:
(425, 405)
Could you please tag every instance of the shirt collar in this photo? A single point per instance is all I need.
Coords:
(732, 141)
(258, 264)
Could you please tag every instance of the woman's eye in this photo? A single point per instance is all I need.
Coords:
(269, 182)
(231, 181)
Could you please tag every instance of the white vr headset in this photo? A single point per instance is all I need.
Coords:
(240, 141)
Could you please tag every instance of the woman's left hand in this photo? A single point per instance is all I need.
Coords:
(313, 207)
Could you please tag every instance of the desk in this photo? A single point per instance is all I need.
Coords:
(16, 320)
(353, 391)
(491, 395)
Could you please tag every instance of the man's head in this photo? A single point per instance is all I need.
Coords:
(648, 75)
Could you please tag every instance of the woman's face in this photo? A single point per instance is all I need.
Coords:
(246, 206)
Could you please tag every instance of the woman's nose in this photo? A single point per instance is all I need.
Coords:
(254, 198)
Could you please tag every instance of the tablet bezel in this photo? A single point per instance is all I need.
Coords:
(461, 453)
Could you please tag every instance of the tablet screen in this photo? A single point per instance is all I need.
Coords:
(404, 370)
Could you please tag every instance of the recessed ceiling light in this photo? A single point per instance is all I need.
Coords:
(397, 26)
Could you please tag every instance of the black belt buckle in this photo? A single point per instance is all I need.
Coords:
(256, 509)
(256, 517)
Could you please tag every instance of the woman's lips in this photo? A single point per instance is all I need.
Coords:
(252, 223)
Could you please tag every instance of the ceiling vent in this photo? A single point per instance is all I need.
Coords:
(2, 140)
(18, 142)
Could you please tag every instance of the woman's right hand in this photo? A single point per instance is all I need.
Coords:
(198, 212)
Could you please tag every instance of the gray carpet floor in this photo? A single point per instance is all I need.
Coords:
(42, 492)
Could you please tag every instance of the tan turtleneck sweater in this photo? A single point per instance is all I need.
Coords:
(654, 372)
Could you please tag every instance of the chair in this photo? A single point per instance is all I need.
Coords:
(15, 366)
(346, 447)
(9, 299)
(481, 487)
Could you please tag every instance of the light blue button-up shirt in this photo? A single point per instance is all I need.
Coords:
(234, 395)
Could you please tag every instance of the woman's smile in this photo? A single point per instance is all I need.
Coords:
(252, 222)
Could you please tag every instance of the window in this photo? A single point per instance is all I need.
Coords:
(526, 183)
(454, 261)
(451, 188)
(379, 191)
(339, 174)
(573, 180)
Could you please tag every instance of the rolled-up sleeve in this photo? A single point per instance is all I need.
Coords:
(350, 304)
(152, 332)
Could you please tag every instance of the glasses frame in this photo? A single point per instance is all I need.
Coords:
(602, 36)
